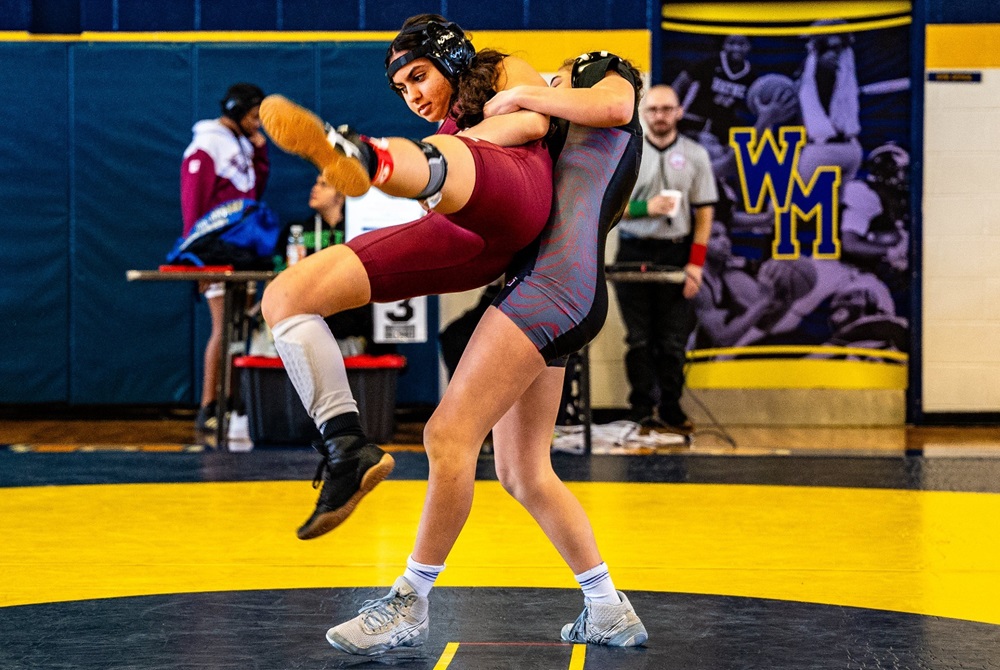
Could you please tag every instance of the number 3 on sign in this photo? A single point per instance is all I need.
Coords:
(403, 321)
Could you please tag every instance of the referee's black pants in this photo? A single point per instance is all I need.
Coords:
(658, 321)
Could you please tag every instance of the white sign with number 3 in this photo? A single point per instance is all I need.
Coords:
(403, 321)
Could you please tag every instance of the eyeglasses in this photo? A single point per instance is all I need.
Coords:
(669, 109)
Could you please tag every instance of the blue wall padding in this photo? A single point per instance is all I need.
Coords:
(501, 15)
(105, 15)
(34, 233)
(140, 16)
(352, 89)
(319, 15)
(177, 15)
(90, 188)
(588, 15)
(97, 16)
(390, 14)
(131, 342)
(55, 16)
(963, 11)
(15, 14)
(239, 15)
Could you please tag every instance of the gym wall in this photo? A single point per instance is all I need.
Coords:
(91, 165)
(961, 220)
(90, 156)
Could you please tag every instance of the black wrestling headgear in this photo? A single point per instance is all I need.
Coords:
(240, 99)
(444, 44)
(582, 61)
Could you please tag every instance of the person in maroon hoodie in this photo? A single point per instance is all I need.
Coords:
(227, 159)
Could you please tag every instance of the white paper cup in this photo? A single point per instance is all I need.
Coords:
(677, 196)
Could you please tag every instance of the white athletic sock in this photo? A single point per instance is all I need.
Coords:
(597, 585)
(420, 576)
(315, 365)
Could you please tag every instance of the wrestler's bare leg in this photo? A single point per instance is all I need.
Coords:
(330, 281)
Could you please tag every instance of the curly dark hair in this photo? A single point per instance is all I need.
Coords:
(473, 87)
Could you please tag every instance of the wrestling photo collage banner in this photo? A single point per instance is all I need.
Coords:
(804, 109)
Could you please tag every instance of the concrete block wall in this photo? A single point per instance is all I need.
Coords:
(961, 221)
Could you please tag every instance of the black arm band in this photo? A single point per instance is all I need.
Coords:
(438, 168)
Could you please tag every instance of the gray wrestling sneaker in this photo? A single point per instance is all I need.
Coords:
(611, 625)
(396, 620)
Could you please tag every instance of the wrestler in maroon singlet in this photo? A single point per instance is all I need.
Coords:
(448, 253)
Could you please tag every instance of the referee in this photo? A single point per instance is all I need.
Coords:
(675, 181)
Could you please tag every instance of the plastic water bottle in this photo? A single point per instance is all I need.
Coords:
(296, 249)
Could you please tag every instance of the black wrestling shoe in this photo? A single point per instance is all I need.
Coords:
(349, 470)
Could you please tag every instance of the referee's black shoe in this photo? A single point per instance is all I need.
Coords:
(350, 469)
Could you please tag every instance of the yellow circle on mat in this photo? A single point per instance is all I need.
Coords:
(924, 552)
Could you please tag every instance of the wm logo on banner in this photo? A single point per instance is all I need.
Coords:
(768, 172)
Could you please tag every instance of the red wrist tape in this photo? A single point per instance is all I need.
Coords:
(698, 253)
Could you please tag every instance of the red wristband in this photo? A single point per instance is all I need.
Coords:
(384, 165)
(698, 253)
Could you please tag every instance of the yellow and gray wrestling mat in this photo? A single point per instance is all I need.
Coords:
(115, 559)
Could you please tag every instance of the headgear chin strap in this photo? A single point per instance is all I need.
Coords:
(444, 44)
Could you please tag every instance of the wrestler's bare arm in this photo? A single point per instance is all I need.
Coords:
(609, 103)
